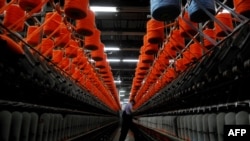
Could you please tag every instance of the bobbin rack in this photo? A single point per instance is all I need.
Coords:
(31, 37)
(211, 77)
(36, 90)
(47, 72)
(193, 99)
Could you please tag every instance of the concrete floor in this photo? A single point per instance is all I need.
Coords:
(130, 135)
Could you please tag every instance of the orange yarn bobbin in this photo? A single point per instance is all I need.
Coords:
(70, 69)
(143, 66)
(186, 26)
(186, 57)
(141, 72)
(104, 71)
(165, 80)
(52, 22)
(155, 73)
(77, 74)
(170, 53)
(159, 65)
(28, 5)
(101, 64)
(57, 56)
(82, 61)
(225, 19)
(195, 51)
(242, 7)
(145, 58)
(76, 9)
(86, 25)
(46, 48)
(72, 49)
(33, 35)
(14, 18)
(163, 59)
(2, 4)
(177, 41)
(179, 64)
(76, 60)
(64, 63)
(148, 47)
(97, 55)
(170, 73)
(211, 33)
(151, 49)
(155, 31)
(82, 67)
(92, 42)
(64, 37)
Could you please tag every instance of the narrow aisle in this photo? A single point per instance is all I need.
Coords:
(130, 135)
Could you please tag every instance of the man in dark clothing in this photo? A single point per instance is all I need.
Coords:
(127, 118)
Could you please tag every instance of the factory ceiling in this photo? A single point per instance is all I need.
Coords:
(123, 29)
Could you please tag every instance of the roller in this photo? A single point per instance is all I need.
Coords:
(220, 125)
(5, 123)
(199, 128)
(51, 127)
(33, 126)
(24, 136)
(212, 127)
(205, 127)
(16, 123)
(242, 118)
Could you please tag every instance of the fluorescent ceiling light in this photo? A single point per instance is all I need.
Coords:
(122, 91)
(113, 60)
(118, 81)
(122, 95)
(103, 9)
(130, 60)
(111, 49)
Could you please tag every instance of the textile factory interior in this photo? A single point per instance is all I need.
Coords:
(68, 68)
